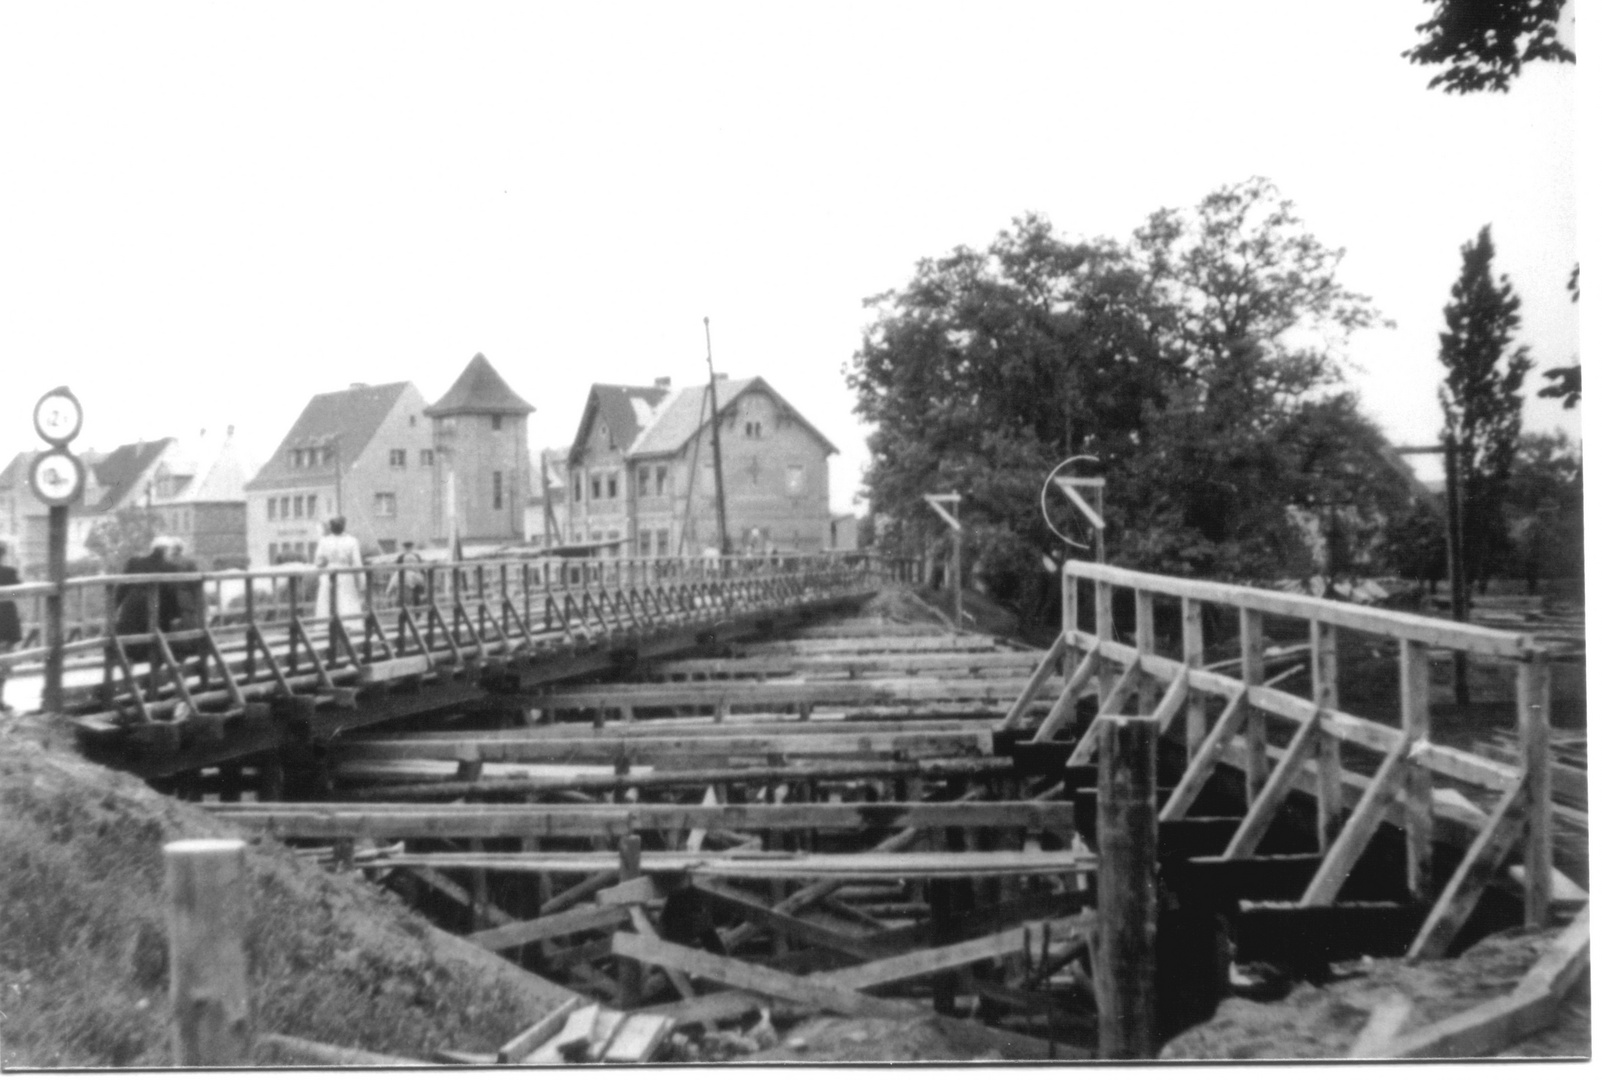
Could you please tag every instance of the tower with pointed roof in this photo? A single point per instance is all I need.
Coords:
(481, 455)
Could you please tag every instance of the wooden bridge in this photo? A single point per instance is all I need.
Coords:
(256, 667)
(916, 812)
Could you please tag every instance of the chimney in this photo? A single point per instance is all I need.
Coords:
(664, 382)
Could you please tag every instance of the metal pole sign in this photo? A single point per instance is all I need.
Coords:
(938, 504)
(57, 478)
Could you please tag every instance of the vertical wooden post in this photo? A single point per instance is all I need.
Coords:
(1126, 889)
(207, 916)
(1534, 705)
(1195, 657)
(1457, 571)
(1105, 675)
(1326, 696)
(1251, 673)
(1417, 807)
(630, 975)
(1146, 643)
(1070, 619)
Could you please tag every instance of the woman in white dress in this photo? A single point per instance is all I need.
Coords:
(337, 551)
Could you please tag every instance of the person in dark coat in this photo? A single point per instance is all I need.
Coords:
(133, 599)
(10, 625)
(186, 602)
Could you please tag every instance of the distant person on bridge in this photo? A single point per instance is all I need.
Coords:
(10, 625)
(409, 586)
(134, 601)
(339, 551)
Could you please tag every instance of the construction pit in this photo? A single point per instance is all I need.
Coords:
(849, 845)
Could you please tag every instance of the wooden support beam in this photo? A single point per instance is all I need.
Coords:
(1043, 673)
(1254, 826)
(1417, 801)
(401, 820)
(1062, 710)
(1205, 759)
(1324, 653)
(1195, 656)
(760, 911)
(1126, 901)
(744, 976)
(1534, 702)
(1354, 838)
(526, 931)
(1251, 674)
(530, 1038)
(924, 962)
(644, 749)
(1109, 706)
(1479, 865)
(1145, 644)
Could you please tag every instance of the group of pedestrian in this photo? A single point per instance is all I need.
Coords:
(10, 624)
(143, 607)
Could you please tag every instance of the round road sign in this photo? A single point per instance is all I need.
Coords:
(56, 477)
(58, 416)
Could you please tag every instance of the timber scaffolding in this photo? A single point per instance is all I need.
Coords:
(877, 819)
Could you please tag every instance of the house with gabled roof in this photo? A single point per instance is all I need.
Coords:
(365, 453)
(641, 470)
(397, 469)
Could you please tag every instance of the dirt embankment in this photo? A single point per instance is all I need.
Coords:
(83, 954)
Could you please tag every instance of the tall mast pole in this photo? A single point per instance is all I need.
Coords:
(717, 442)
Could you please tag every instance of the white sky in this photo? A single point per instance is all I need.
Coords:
(209, 212)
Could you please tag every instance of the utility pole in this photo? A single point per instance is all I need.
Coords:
(1456, 572)
(717, 442)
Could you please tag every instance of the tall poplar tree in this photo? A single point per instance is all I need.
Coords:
(1481, 399)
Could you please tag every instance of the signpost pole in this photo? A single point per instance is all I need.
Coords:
(55, 631)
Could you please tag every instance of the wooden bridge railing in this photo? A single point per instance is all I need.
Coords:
(1231, 707)
(266, 624)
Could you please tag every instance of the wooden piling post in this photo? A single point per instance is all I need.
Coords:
(630, 975)
(207, 915)
(1126, 889)
(1534, 695)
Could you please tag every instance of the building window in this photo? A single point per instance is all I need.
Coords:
(645, 543)
(425, 458)
(397, 459)
(645, 481)
(611, 485)
(272, 509)
(753, 429)
(311, 506)
(495, 422)
(447, 425)
(300, 507)
(294, 459)
(384, 504)
(495, 480)
(794, 477)
(595, 486)
(661, 541)
(411, 421)
(661, 479)
(328, 455)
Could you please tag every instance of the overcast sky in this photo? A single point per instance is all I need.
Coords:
(210, 212)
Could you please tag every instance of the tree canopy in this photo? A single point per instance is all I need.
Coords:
(1481, 397)
(1486, 43)
(1199, 362)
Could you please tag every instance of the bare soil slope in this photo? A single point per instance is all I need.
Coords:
(83, 954)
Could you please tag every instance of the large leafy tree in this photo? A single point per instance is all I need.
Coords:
(1545, 504)
(1259, 314)
(1482, 399)
(1486, 43)
(1190, 361)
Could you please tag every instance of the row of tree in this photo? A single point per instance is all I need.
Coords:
(1201, 364)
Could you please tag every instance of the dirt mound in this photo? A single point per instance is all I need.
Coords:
(1324, 1022)
(83, 957)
